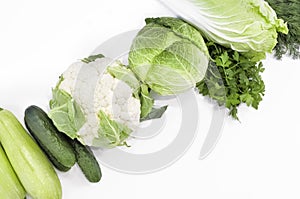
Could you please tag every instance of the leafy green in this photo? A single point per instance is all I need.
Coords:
(243, 25)
(181, 29)
(155, 113)
(232, 79)
(68, 118)
(123, 73)
(146, 101)
(92, 58)
(65, 113)
(110, 132)
(59, 97)
(168, 55)
(148, 112)
(289, 11)
(141, 91)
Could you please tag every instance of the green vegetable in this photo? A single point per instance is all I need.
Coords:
(248, 26)
(146, 101)
(141, 91)
(123, 73)
(111, 133)
(87, 162)
(55, 144)
(83, 90)
(28, 161)
(10, 186)
(232, 79)
(168, 55)
(155, 113)
(65, 112)
(92, 58)
(289, 44)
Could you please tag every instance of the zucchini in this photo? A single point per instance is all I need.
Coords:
(87, 162)
(55, 144)
(32, 167)
(10, 186)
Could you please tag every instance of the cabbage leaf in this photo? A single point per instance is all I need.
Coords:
(249, 26)
(169, 55)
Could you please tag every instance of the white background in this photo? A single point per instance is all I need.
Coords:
(257, 158)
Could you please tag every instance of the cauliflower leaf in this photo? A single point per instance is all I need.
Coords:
(65, 113)
(146, 101)
(110, 132)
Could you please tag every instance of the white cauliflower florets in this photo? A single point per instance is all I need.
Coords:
(94, 89)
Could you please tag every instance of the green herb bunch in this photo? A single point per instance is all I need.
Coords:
(232, 79)
(289, 11)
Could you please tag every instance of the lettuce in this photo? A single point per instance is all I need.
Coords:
(249, 26)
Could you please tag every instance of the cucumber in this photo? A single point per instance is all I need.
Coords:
(31, 165)
(57, 165)
(10, 186)
(87, 162)
(55, 144)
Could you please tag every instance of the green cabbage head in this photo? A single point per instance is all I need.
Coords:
(169, 55)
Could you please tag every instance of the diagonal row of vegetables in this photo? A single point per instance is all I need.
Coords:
(99, 102)
(26, 161)
(35, 173)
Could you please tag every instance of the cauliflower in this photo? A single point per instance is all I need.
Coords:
(94, 106)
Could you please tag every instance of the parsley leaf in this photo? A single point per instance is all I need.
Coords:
(232, 79)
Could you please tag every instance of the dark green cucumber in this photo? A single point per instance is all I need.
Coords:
(87, 162)
(57, 146)
(57, 164)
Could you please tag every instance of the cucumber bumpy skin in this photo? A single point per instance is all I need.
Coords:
(31, 165)
(87, 162)
(55, 144)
